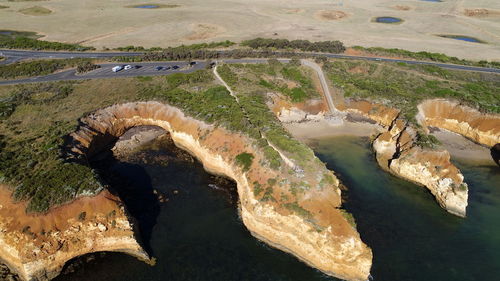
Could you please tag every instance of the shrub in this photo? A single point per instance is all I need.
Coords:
(21, 42)
(303, 45)
(86, 66)
(244, 160)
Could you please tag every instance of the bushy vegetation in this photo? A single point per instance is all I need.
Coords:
(404, 87)
(437, 57)
(244, 160)
(349, 217)
(40, 67)
(86, 66)
(297, 209)
(192, 47)
(426, 141)
(244, 79)
(16, 41)
(303, 45)
(33, 164)
(181, 53)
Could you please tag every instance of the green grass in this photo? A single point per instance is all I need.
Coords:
(297, 209)
(437, 57)
(36, 11)
(10, 39)
(244, 160)
(404, 87)
(34, 119)
(192, 47)
(349, 217)
(40, 67)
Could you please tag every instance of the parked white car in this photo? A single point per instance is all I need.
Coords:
(128, 66)
(117, 68)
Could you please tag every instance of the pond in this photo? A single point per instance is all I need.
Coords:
(462, 38)
(388, 20)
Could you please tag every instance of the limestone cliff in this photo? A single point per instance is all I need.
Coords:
(37, 246)
(397, 153)
(468, 122)
(296, 212)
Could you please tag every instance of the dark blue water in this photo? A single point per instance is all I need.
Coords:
(387, 20)
(197, 234)
(411, 236)
(147, 6)
(463, 38)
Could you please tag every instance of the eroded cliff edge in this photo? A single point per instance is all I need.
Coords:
(297, 212)
(451, 115)
(36, 246)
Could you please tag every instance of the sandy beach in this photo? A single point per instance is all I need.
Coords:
(324, 129)
(458, 146)
(462, 148)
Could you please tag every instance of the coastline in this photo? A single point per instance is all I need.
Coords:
(458, 146)
(324, 129)
(462, 148)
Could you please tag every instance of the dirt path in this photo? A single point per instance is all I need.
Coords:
(326, 90)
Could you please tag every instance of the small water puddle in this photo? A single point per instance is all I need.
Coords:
(462, 38)
(147, 6)
(388, 20)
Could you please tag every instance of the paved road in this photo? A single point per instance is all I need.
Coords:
(16, 55)
(415, 62)
(146, 69)
(324, 84)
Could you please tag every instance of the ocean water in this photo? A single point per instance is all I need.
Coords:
(197, 234)
(411, 236)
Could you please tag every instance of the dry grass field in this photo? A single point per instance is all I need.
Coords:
(114, 23)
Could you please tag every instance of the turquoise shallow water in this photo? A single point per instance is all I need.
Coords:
(197, 235)
(411, 236)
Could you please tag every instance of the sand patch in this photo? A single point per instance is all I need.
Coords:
(401, 8)
(35, 11)
(325, 128)
(202, 31)
(328, 15)
(461, 147)
(294, 11)
(481, 12)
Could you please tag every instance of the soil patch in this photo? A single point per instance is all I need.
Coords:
(481, 13)
(35, 11)
(401, 8)
(330, 15)
(204, 31)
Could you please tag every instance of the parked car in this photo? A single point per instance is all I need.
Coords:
(175, 67)
(137, 66)
(159, 67)
(167, 67)
(192, 63)
(117, 68)
(127, 67)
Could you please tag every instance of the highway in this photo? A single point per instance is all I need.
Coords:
(17, 55)
(144, 69)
